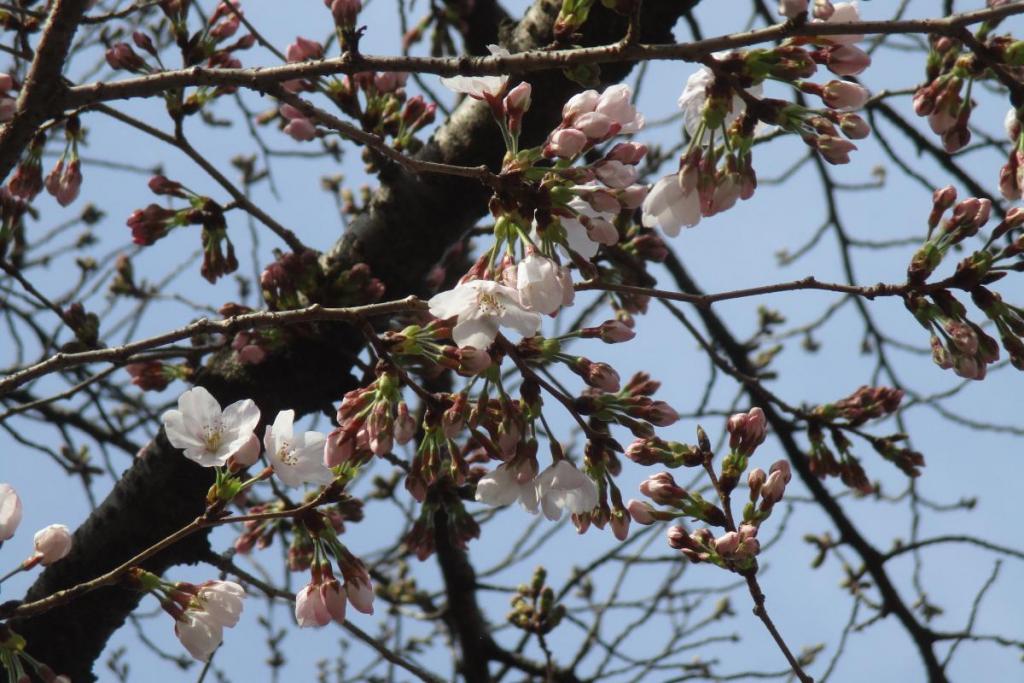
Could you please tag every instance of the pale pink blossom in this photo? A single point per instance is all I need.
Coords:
(539, 284)
(10, 511)
(222, 600)
(616, 103)
(671, 206)
(359, 591)
(310, 608)
(297, 459)
(51, 543)
(844, 95)
(694, 95)
(504, 486)
(563, 487)
(595, 125)
(844, 12)
(641, 512)
(303, 49)
(615, 173)
(481, 308)
(208, 435)
(199, 633)
(579, 104)
(792, 8)
(565, 143)
(480, 87)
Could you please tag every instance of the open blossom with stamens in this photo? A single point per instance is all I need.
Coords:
(10, 511)
(297, 459)
(482, 307)
(480, 87)
(563, 487)
(208, 435)
(200, 628)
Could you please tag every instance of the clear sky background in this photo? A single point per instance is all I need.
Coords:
(733, 250)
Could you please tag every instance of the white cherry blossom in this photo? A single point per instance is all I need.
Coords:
(502, 486)
(563, 487)
(480, 87)
(297, 459)
(691, 102)
(199, 632)
(844, 12)
(223, 600)
(671, 206)
(209, 435)
(585, 240)
(540, 285)
(616, 103)
(482, 307)
(10, 511)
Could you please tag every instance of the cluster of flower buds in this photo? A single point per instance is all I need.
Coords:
(200, 612)
(824, 461)
(769, 488)
(64, 181)
(867, 403)
(632, 407)
(1008, 319)
(590, 118)
(735, 550)
(534, 609)
(324, 598)
(445, 507)
(371, 420)
(967, 218)
(957, 343)
(939, 97)
(723, 100)
(662, 489)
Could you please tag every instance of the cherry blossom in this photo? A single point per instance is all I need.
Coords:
(673, 203)
(359, 592)
(208, 435)
(482, 307)
(480, 87)
(199, 633)
(320, 602)
(297, 459)
(563, 487)
(694, 95)
(223, 600)
(590, 229)
(51, 543)
(504, 486)
(844, 12)
(10, 511)
(540, 284)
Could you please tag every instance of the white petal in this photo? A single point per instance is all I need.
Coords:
(478, 332)
(241, 417)
(453, 302)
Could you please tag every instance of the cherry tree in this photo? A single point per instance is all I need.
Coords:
(491, 375)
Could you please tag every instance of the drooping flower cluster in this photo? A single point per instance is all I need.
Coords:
(722, 101)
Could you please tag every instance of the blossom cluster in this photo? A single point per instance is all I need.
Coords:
(723, 101)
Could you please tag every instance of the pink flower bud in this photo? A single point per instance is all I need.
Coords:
(641, 511)
(301, 129)
(627, 152)
(405, 425)
(389, 81)
(620, 524)
(662, 489)
(783, 467)
(565, 143)
(847, 60)
(473, 361)
(773, 489)
(727, 544)
(747, 431)
(594, 125)
(844, 95)
(633, 196)
(52, 543)
(579, 104)
(303, 49)
(854, 127)
(677, 536)
(755, 480)
(834, 150)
